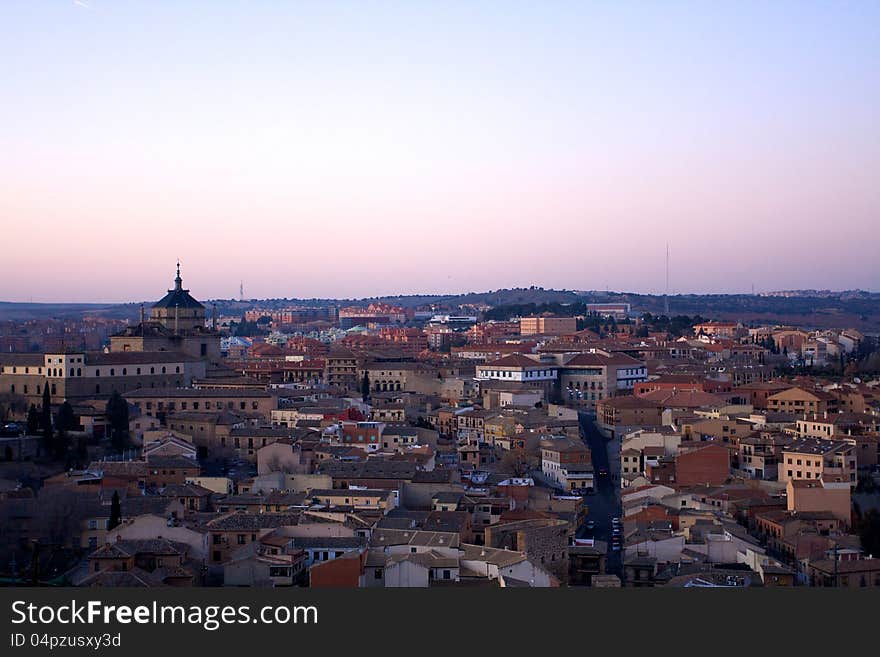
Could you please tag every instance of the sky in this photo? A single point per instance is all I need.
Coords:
(350, 149)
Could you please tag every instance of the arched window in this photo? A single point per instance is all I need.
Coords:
(112, 372)
(163, 369)
(97, 372)
(124, 371)
(79, 371)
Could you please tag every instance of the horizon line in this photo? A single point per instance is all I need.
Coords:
(454, 294)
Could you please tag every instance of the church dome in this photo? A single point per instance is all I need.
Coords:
(178, 297)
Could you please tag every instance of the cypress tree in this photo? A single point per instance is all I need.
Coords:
(33, 421)
(365, 387)
(46, 418)
(117, 418)
(115, 512)
(65, 422)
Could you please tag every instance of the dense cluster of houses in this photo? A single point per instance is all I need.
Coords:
(388, 448)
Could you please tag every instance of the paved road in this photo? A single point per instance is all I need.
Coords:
(605, 503)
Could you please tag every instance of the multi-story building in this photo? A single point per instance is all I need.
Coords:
(585, 379)
(362, 499)
(410, 340)
(706, 464)
(389, 376)
(375, 313)
(158, 402)
(291, 315)
(829, 425)
(276, 370)
(363, 435)
(547, 325)
(567, 462)
(720, 329)
(816, 459)
(232, 531)
(341, 368)
(493, 350)
(95, 375)
(760, 454)
(518, 368)
(615, 310)
(628, 411)
(472, 426)
(799, 401)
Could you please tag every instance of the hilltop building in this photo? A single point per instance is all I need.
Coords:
(177, 323)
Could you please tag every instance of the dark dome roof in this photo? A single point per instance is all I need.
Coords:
(178, 296)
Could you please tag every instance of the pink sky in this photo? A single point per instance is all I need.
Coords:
(313, 152)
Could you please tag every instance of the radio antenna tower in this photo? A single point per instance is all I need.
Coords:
(666, 295)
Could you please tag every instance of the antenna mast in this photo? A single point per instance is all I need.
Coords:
(666, 295)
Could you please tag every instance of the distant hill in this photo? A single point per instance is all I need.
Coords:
(857, 309)
(24, 311)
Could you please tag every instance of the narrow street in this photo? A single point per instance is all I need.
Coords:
(605, 503)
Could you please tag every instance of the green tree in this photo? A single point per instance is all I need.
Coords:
(33, 421)
(11, 404)
(117, 418)
(46, 418)
(66, 419)
(365, 386)
(869, 531)
(65, 422)
(115, 512)
(82, 452)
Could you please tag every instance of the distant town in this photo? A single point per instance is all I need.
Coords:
(525, 438)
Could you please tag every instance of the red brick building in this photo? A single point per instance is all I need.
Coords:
(341, 573)
(707, 465)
